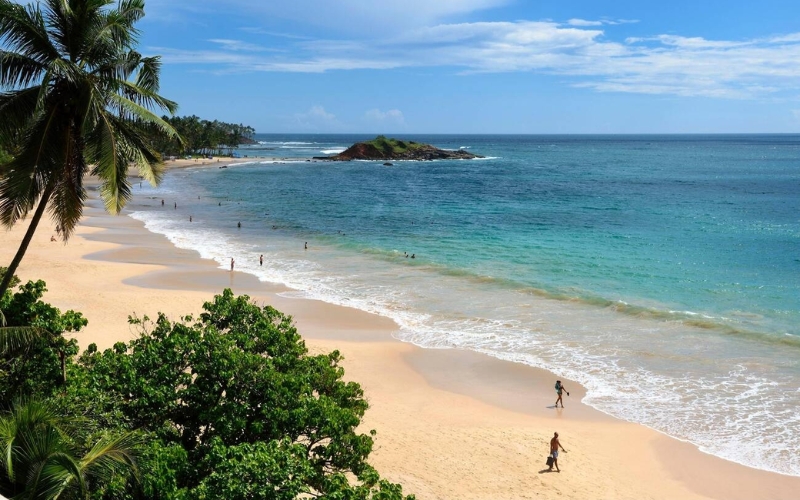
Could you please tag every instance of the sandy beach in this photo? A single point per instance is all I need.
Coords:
(451, 424)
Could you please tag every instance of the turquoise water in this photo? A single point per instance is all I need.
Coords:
(663, 270)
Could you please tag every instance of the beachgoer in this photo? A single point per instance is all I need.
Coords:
(220, 203)
(58, 229)
(559, 389)
(261, 260)
(555, 444)
(306, 246)
(176, 205)
(190, 218)
(162, 203)
(53, 238)
(239, 225)
(232, 263)
(413, 256)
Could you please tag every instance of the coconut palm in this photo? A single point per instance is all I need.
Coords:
(77, 98)
(42, 458)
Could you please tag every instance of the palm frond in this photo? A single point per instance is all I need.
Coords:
(111, 456)
(110, 164)
(18, 108)
(18, 70)
(23, 30)
(15, 338)
(25, 177)
(141, 113)
(141, 154)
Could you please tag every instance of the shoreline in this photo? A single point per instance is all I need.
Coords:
(501, 415)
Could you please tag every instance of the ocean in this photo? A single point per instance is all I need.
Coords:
(661, 272)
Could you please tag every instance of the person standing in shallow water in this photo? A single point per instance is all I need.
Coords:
(261, 260)
(555, 444)
(560, 389)
(232, 263)
(306, 246)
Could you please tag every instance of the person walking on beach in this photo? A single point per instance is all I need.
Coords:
(232, 263)
(555, 444)
(306, 246)
(261, 260)
(559, 389)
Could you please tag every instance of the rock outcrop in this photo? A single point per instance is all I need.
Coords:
(382, 149)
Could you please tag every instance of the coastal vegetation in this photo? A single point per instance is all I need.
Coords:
(383, 148)
(229, 404)
(198, 136)
(77, 99)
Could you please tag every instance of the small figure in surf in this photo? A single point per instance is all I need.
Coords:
(413, 256)
(305, 247)
(560, 389)
(555, 444)
(239, 225)
(190, 218)
(232, 263)
(162, 203)
(261, 260)
(176, 205)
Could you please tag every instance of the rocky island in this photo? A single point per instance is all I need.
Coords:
(384, 149)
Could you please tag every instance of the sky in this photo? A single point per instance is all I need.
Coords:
(482, 66)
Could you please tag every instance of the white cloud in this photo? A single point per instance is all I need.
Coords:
(316, 119)
(661, 64)
(392, 116)
(601, 22)
(584, 22)
(239, 46)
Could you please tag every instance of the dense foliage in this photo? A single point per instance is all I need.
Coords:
(202, 136)
(227, 405)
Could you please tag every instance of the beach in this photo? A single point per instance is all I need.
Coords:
(451, 423)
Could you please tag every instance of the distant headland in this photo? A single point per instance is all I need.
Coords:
(384, 149)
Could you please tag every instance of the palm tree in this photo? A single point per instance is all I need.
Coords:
(75, 94)
(41, 458)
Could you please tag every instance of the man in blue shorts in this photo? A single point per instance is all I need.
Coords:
(555, 444)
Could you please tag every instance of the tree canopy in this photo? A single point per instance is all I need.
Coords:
(202, 136)
(227, 405)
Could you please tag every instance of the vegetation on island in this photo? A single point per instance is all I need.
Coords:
(383, 148)
(204, 137)
(229, 404)
(77, 99)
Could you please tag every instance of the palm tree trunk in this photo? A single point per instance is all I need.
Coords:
(37, 216)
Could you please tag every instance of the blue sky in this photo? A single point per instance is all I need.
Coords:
(482, 66)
